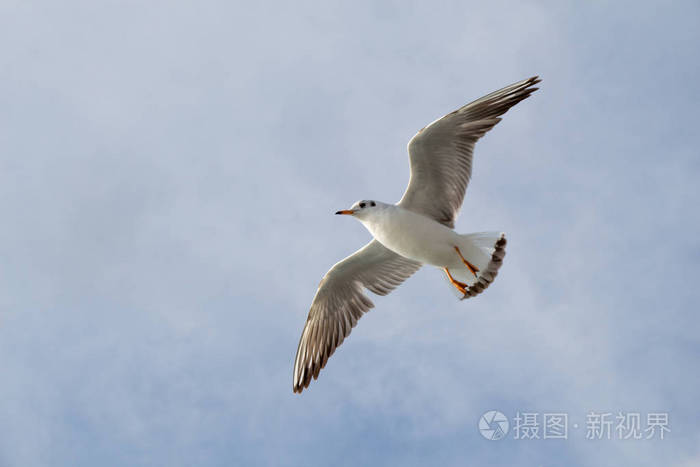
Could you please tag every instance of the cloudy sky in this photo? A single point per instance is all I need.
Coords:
(168, 174)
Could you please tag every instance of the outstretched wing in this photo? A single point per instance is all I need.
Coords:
(440, 154)
(340, 302)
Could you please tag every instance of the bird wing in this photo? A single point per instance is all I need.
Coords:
(440, 154)
(340, 302)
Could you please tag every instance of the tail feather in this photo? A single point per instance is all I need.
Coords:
(485, 250)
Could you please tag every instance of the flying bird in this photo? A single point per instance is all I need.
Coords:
(415, 231)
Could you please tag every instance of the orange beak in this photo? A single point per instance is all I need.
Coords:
(348, 212)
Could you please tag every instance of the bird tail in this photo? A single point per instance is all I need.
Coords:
(484, 251)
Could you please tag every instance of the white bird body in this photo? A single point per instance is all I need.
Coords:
(412, 235)
(415, 231)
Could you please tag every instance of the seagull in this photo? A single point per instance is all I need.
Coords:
(415, 231)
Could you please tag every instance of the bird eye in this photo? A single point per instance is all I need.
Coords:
(362, 205)
(373, 203)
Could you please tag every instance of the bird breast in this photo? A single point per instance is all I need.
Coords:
(412, 235)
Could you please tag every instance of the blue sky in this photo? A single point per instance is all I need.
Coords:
(168, 174)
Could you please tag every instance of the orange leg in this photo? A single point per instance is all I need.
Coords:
(469, 265)
(461, 286)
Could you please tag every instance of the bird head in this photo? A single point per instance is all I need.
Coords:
(362, 209)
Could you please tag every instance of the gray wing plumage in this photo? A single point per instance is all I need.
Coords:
(340, 302)
(440, 154)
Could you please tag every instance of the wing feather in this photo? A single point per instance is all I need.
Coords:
(440, 154)
(340, 302)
